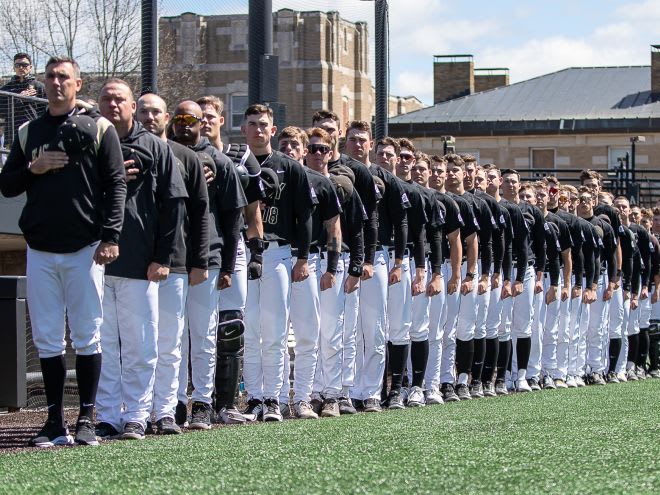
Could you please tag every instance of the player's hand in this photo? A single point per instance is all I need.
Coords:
(452, 285)
(328, 281)
(47, 161)
(516, 289)
(538, 287)
(394, 276)
(209, 175)
(224, 281)
(495, 281)
(506, 290)
(131, 171)
(482, 286)
(157, 272)
(31, 91)
(626, 295)
(300, 270)
(634, 302)
(367, 271)
(466, 286)
(654, 297)
(551, 295)
(565, 291)
(197, 276)
(106, 253)
(417, 287)
(434, 287)
(644, 294)
(609, 292)
(576, 292)
(351, 284)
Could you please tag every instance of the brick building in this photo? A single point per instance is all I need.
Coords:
(323, 63)
(573, 119)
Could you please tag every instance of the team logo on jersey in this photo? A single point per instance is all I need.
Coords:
(492, 221)
(312, 193)
(476, 224)
(546, 227)
(621, 229)
(502, 221)
(651, 247)
(460, 219)
(404, 200)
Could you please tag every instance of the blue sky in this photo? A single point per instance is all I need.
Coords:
(531, 38)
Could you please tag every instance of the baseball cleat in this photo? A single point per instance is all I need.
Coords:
(621, 376)
(181, 414)
(346, 406)
(50, 435)
(641, 373)
(654, 373)
(523, 385)
(612, 378)
(433, 397)
(303, 410)
(133, 431)
(463, 391)
(559, 383)
(330, 409)
(167, 426)
(416, 397)
(272, 410)
(395, 401)
(477, 390)
(533, 384)
(549, 383)
(316, 404)
(631, 375)
(85, 432)
(372, 405)
(570, 382)
(201, 416)
(231, 416)
(489, 390)
(448, 393)
(254, 410)
(285, 410)
(106, 431)
(500, 387)
(580, 380)
(597, 379)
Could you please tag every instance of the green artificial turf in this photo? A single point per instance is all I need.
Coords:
(592, 440)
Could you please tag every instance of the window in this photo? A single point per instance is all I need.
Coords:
(613, 157)
(238, 105)
(542, 158)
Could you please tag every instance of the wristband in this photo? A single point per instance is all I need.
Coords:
(355, 270)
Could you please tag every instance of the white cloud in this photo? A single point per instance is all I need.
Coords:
(419, 84)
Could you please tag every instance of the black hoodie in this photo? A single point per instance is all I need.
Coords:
(23, 110)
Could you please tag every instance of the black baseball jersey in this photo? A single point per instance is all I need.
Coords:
(613, 214)
(552, 252)
(537, 235)
(590, 255)
(629, 253)
(435, 220)
(577, 238)
(73, 207)
(192, 248)
(289, 219)
(498, 233)
(369, 195)
(520, 249)
(470, 224)
(507, 243)
(607, 242)
(417, 218)
(646, 251)
(487, 225)
(453, 219)
(154, 206)
(226, 200)
(392, 213)
(327, 207)
(565, 239)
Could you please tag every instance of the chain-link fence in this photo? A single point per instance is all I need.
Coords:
(15, 110)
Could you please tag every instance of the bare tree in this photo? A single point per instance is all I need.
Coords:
(25, 33)
(117, 36)
(63, 20)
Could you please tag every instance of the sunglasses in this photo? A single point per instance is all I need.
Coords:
(21, 65)
(315, 148)
(406, 156)
(584, 199)
(186, 119)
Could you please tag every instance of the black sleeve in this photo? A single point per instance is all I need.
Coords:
(498, 249)
(434, 238)
(15, 177)
(645, 250)
(507, 258)
(113, 182)
(197, 208)
(419, 247)
(520, 242)
(170, 216)
(589, 250)
(576, 254)
(627, 255)
(352, 221)
(400, 236)
(230, 225)
(538, 240)
(485, 237)
(302, 209)
(609, 253)
(636, 278)
(553, 265)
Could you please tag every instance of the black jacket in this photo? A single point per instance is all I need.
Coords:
(23, 110)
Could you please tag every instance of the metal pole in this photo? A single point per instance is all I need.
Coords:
(260, 43)
(632, 162)
(382, 68)
(149, 47)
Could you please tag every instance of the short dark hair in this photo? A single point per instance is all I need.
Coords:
(510, 171)
(468, 158)
(455, 159)
(21, 55)
(258, 109)
(420, 156)
(358, 125)
(63, 59)
(407, 143)
(291, 132)
(325, 114)
(388, 141)
(590, 174)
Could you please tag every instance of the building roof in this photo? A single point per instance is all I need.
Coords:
(577, 93)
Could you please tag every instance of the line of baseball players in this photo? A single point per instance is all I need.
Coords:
(410, 281)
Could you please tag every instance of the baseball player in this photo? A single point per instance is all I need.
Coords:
(68, 161)
(287, 224)
(494, 274)
(604, 287)
(152, 221)
(518, 311)
(369, 196)
(392, 231)
(232, 303)
(205, 319)
(189, 265)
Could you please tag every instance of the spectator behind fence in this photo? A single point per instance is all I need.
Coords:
(24, 84)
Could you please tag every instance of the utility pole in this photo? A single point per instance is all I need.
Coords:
(149, 47)
(382, 68)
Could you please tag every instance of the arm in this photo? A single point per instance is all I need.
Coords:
(230, 226)
(113, 183)
(170, 216)
(455, 257)
(255, 227)
(197, 208)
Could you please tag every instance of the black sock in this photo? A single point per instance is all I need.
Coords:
(478, 358)
(464, 355)
(654, 352)
(633, 347)
(383, 389)
(88, 370)
(490, 359)
(523, 348)
(54, 373)
(398, 358)
(503, 358)
(644, 344)
(419, 356)
(615, 349)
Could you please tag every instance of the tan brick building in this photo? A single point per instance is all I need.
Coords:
(563, 122)
(323, 61)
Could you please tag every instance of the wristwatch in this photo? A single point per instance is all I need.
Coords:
(469, 275)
